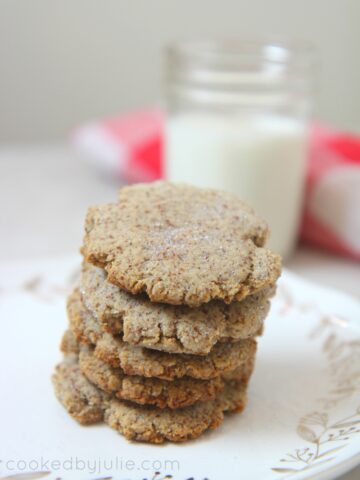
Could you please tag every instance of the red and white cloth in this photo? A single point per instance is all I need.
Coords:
(331, 216)
(131, 147)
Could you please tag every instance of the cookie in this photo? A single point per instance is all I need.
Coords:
(151, 363)
(152, 425)
(85, 328)
(87, 404)
(180, 244)
(173, 329)
(69, 344)
(154, 391)
(224, 357)
(82, 400)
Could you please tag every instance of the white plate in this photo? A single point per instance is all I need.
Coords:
(302, 421)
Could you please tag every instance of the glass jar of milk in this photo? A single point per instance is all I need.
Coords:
(237, 117)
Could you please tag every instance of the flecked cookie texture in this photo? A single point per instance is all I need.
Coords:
(180, 244)
(150, 363)
(85, 327)
(151, 391)
(224, 357)
(154, 391)
(170, 328)
(69, 344)
(88, 405)
(82, 400)
(156, 426)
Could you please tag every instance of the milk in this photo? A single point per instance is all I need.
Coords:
(259, 158)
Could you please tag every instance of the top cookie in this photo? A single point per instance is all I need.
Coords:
(180, 244)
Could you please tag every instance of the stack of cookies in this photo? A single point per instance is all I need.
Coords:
(174, 289)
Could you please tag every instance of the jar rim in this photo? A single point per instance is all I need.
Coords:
(239, 73)
(295, 53)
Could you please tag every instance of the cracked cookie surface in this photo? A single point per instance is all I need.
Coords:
(151, 363)
(224, 357)
(87, 404)
(154, 391)
(170, 328)
(180, 244)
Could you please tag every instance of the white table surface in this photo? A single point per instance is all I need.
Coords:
(44, 194)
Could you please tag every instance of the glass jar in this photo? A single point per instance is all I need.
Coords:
(237, 119)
